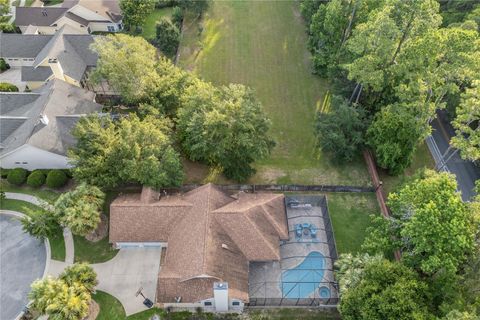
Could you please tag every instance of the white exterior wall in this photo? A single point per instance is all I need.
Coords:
(31, 158)
(19, 62)
(102, 26)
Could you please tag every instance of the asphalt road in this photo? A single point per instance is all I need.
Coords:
(22, 260)
(465, 171)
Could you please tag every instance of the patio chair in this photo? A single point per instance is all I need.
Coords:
(306, 225)
(298, 230)
(313, 232)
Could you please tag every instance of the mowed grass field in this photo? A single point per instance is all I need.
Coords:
(262, 44)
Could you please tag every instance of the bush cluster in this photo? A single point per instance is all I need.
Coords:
(8, 87)
(3, 65)
(36, 179)
(17, 176)
(56, 178)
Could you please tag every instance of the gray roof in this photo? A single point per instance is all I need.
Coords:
(36, 74)
(76, 18)
(61, 103)
(22, 45)
(38, 16)
(71, 51)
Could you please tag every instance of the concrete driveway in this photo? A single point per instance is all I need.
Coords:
(129, 270)
(23, 259)
(13, 76)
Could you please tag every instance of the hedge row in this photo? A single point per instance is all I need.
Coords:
(53, 178)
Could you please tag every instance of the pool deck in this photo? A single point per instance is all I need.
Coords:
(265, 278)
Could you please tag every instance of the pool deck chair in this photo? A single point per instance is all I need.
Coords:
(298, 230)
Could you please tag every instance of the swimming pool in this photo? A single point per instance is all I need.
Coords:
(304, 279)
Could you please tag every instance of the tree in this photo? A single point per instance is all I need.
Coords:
(41, 224)
(4, 7)
(431, 224)
(224, 127)
(340, 131)
(195, 6)
(308, 8)
(387, 290)
(330, 26)
(129, 150)
(128, 64)
(135, 11)
(80, 209)
(349, 269)
(377, 43)
(58, 300)
(395, 134)
(80, 273)
(466, 124)
(168, 37)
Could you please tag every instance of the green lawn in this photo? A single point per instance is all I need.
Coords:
(149, 27)
(349, 213)
(48, 195)
(57, 243)
(110, 307)
(93, 252)
(263, 44)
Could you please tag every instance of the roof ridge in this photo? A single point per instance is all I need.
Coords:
(255, 226)
(207, 227)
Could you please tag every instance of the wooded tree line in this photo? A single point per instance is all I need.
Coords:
(174, 113)
(393, 65)
(438, 276)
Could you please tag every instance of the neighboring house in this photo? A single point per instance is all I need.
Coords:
(211, 238)
(35, 127)
(84, 16)
(61, 56)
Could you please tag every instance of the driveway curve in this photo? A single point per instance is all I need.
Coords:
(23, 259)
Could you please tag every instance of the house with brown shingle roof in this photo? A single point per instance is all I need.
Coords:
(211, 238)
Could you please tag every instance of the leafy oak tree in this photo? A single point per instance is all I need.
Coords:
(4, 7)
(134, 12)
(431, 224)
(128, 64)
(129, 150)
(387, 290)
(395, 134)
(224, 127)
(377, 43)
(466, 124)
(340, 131)
(80, 209)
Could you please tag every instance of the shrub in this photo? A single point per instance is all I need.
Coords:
(17, 176)
(4, 172)
(8, 87)
(40, 224)
(177, 17)
(56, 178)
(7, 27)
(36, 179)
(168, 37)
(3, 65)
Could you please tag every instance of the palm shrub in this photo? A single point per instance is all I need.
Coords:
(17, 176)
(56, 178)
(80, 209)
(59, 300)
(36, 179)
(40, 224)
(80, 273)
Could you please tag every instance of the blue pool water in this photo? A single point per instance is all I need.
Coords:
(304, 279)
